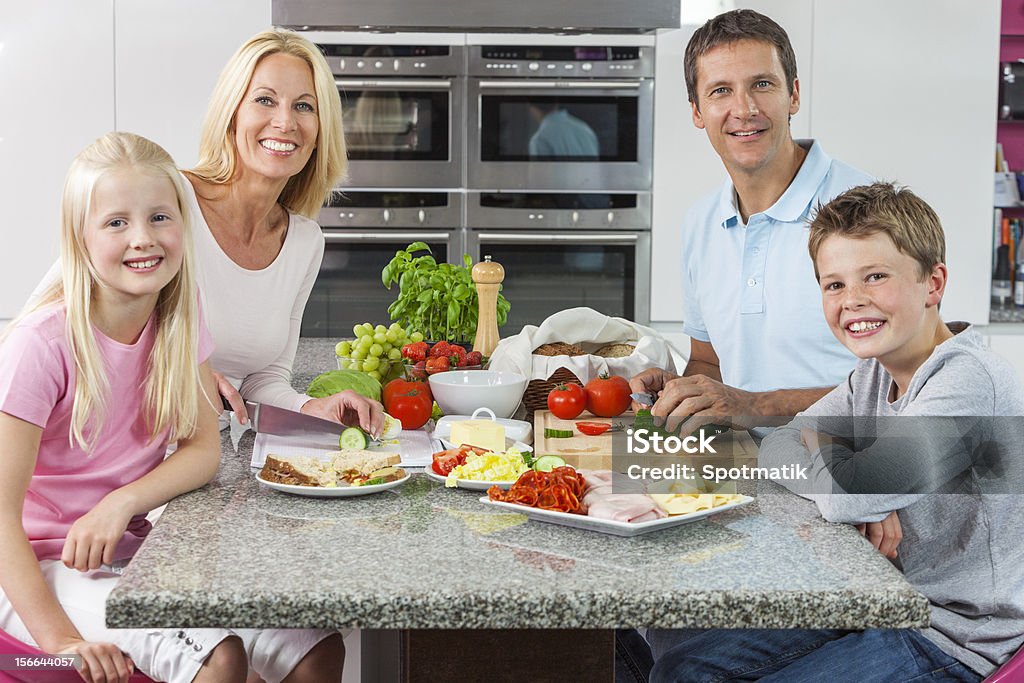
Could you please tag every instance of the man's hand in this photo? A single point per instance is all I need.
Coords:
(885, 535)
(101, 662)
(94, 536)
(698, 400)
(349, 408)
(650, 381)
(228, 391)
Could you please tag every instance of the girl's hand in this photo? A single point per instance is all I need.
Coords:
(94, 536)
(350, 408)
(231, 395)
(100, 662)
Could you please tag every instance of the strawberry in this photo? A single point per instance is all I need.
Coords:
(440, 364)
(456, 350)
(415, 352)
(462, 361)
(474, 358)
(440, 349)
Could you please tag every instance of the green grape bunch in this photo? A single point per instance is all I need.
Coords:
(376, 350)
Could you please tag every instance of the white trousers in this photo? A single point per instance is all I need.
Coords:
(172, 655)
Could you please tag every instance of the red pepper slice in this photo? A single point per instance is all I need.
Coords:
(593, 428)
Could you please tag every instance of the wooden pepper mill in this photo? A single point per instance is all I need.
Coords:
(488, 277)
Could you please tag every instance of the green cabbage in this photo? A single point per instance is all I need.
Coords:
(339, 380)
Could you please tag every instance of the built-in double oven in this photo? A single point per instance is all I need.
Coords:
(538, 156)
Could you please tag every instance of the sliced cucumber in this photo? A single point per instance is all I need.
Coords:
(546, 463)
(352, 439)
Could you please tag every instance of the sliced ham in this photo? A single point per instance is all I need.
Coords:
(600, 502)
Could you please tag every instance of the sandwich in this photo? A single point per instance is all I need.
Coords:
(359, 467)
(298, 471)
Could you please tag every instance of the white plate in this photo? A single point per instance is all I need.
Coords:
(333, 491)
(608, 526)
(469, 484)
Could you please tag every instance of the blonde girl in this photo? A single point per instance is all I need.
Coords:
(96, 377)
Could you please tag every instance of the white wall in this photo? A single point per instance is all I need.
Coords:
(57, 85)
(904, 90)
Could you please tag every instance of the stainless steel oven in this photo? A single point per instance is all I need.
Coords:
(364, 229)
(560, 117)
(561, 250)
(403, 110)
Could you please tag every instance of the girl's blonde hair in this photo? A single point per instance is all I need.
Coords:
(172, 385)
(306, 191)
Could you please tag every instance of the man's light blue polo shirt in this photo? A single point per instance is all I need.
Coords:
(750, 289)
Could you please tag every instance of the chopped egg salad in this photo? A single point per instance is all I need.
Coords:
(490, 466)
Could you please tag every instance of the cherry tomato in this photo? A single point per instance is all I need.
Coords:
(593, 428)
(608, 396)
(567, 401)
(411, 407)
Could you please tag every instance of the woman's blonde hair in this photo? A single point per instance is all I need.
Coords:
(306, 191)
(172, 385)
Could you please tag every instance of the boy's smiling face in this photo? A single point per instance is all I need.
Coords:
(876, 302)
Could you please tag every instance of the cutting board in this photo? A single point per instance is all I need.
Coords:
(595, 452)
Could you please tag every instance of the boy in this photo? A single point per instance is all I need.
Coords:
(879, 254)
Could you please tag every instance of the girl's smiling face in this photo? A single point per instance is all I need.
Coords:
(876, 302)
(133, 233)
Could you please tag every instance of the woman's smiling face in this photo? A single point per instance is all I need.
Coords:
(277, 123)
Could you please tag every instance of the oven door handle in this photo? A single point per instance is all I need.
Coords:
(551, 85)
(422, 84)
(338, 236)
(590, 237)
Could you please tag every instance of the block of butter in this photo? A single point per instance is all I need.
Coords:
(480, 433)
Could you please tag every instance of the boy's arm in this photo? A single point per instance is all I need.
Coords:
(93, 538)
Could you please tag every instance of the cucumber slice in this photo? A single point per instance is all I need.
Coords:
(546, 463)
(352, 439)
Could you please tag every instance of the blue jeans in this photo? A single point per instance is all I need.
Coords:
(801, 656)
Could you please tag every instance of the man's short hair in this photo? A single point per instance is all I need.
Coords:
(887, 208)
(732, 27)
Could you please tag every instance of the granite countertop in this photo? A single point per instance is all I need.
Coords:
(238, 554)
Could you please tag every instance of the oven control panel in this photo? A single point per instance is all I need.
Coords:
(394, 60)
(537, 61)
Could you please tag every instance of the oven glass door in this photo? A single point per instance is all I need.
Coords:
(548, 272)
(348, 290)
(561, 134)
(389, 121)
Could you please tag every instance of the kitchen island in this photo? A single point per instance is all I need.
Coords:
(238, 554)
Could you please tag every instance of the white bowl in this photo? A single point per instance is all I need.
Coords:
(460, 392)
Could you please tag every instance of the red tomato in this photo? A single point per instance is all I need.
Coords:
(593, 428)
(566, 401)
(608, 396)
(411, 407)
(445, 461)
(401, 386)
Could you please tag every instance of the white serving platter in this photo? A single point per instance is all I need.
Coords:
(607, 526)
(333, 491)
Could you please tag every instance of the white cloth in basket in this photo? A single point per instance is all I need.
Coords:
(591, 330)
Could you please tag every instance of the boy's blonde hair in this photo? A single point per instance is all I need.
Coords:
(306, 191)
(172, 385)
(884, 207)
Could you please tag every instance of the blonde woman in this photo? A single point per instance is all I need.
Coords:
(272, 150)
(96, 377)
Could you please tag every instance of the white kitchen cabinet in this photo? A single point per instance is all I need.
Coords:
(169, 55)
(57, 80)
(880, 94)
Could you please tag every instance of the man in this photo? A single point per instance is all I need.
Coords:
(759, 342)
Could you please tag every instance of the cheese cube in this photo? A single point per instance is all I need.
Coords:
(480, 433)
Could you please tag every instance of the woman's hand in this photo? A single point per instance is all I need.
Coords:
(231, 395)
(885, 535)
(94, 536)
(349, 408)
(100, 662)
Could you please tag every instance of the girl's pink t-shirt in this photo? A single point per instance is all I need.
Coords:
(37, 384)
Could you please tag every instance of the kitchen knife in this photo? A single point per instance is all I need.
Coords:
(646, 400)
(269, 419)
